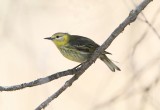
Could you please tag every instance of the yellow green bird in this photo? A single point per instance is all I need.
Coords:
(79, 49)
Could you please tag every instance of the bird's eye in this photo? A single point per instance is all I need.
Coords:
(57, 36)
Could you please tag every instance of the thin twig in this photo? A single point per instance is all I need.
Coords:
(150, 24)
(39, 81)
(147, 30)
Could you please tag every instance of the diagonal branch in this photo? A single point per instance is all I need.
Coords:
(57, 93)
(131, 18)
(77, 72)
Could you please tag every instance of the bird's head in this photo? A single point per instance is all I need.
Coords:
(59, 39)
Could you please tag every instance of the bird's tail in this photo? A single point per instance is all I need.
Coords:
(109, 63)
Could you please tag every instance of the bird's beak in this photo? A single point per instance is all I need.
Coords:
(49, 38)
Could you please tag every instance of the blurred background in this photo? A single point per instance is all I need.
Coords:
(26, 56)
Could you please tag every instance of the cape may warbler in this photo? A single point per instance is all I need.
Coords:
(79, 49)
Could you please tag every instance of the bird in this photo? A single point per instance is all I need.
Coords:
(79, 48)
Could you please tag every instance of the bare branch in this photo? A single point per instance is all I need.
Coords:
(39, 81)
(78, 71)
(56, 94)
(131, 18)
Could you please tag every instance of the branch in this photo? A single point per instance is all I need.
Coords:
(39, 81)
(131, 18)
(56, 94)
(78, 71)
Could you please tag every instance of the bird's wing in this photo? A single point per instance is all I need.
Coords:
(83, 44)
